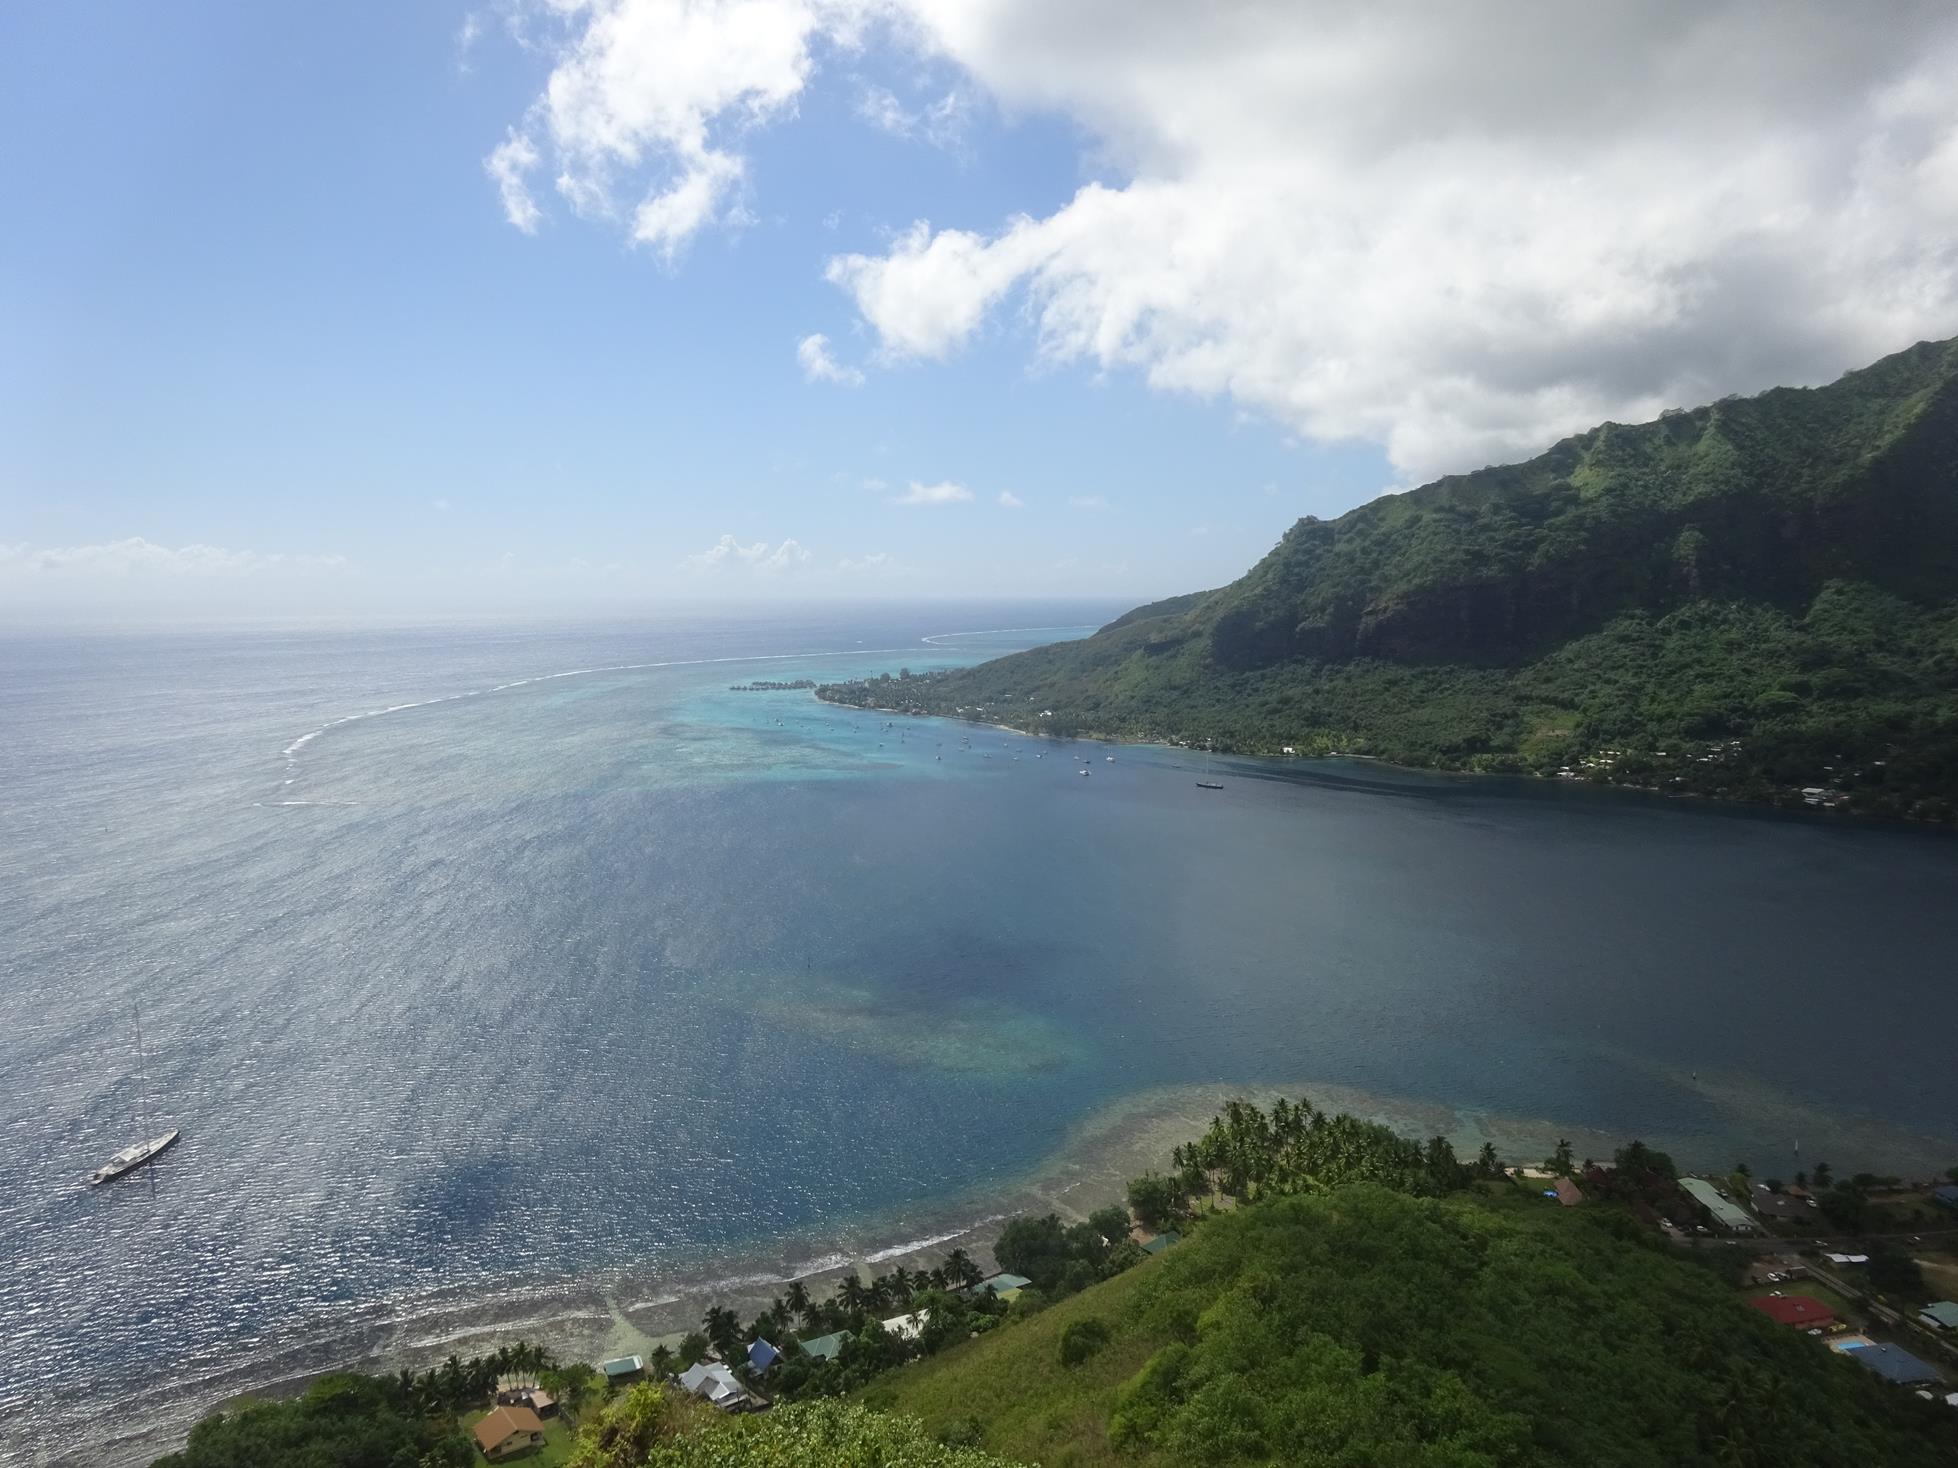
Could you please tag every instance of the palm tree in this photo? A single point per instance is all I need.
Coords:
(453, 1382)
(723, 1328)
(855, 1297)
(960, 1270)
(797, 1300)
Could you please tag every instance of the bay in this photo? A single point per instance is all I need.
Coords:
(513, 973)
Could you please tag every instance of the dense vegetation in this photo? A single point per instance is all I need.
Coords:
(1363, 1325)
(1743, 601)
(348, 1420)
(829, 1433)
(343, 1421)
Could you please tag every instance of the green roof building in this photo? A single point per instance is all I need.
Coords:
(1943, 1314)
(1729, 1217)
(825, 1347)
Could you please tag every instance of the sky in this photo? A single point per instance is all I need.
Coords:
(514, 304)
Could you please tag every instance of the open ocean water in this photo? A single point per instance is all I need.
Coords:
(523, 974)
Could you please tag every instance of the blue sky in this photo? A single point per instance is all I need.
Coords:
(270, 340)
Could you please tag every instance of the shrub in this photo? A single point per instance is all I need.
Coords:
(1082, 1339)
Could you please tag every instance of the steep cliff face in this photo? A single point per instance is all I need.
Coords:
(1770, 581)
(1765, 498)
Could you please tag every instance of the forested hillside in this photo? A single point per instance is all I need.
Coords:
(1747, 600)
(1363, 1325)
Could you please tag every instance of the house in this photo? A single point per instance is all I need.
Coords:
(1946, 1195)
(1770, 1204)
(825, 1347)
(1800, 1310)
(1892, 1363)
(1006, 1286)
(1567, 1193)
(1943, 1315)
(1715, 1202)
(1162, 1241)
(622, 1369)
(509, 1432)
(713, 1382)
(516, 1392)
(907, 1327)
(761, 1355)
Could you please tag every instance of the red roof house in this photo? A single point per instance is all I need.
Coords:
(1802, 1310)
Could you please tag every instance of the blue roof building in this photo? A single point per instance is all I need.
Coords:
(1892, 1363)
(761, 1355)
(1946, 1194)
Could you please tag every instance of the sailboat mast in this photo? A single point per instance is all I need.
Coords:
(142, 1077)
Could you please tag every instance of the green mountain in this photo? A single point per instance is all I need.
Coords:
(1363, 1326)
(1741, 600)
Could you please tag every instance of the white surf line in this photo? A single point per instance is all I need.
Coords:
(293, 750)
(998, 631)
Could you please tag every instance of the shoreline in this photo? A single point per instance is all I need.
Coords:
(633, 1308)
(1723, 803)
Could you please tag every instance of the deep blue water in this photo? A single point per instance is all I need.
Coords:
(626, 969)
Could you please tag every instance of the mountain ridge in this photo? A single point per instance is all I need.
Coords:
(1755, 599)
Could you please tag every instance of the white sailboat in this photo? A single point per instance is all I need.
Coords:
(1206, 783)
(131, 1158)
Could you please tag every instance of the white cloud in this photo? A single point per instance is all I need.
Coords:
(875, 486)
(1010, 501)
(758, 557)
(819, 366)
(645, 95)
(467, 35)
(1088, 502)
(1456, 231)
(513, 158)
(136, 557)
(942, 123)
(785, 557)
(876, 561)
(946, 493)
(439, 504)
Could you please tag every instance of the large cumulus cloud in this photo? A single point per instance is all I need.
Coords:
(1458, 231)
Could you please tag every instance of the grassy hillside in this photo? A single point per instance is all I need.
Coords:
(1742, 600)
(1366, 1326)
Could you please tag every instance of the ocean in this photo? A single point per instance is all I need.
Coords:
(526, 978)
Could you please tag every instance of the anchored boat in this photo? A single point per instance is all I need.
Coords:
(131, 1158)
(1206, 783)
